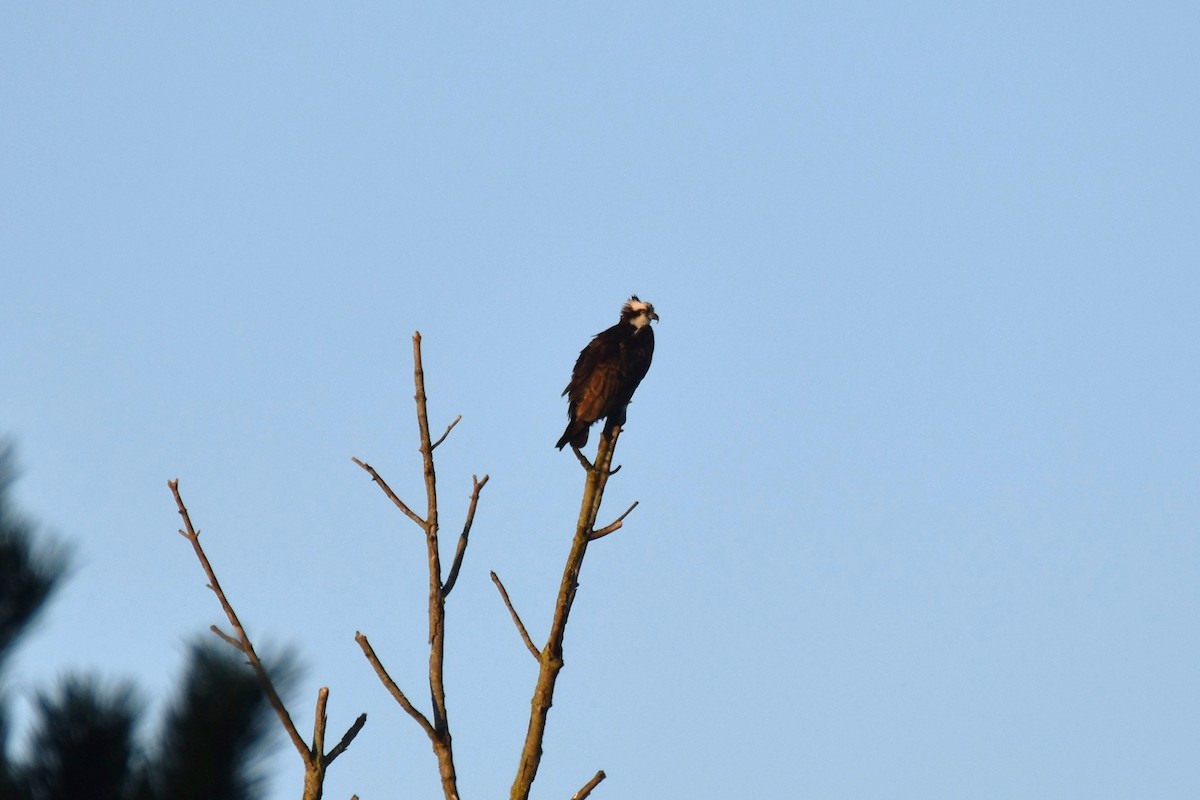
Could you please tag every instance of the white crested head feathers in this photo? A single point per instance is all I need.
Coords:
(637, 312)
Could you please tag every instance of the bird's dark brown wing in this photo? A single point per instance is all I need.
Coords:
(595, 376)
(593, 396)
(605, 377)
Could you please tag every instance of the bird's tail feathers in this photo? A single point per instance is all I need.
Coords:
(576, 434)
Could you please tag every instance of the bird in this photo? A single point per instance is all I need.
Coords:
(608, 372)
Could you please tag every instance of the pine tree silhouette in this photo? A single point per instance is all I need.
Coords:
(83, 743)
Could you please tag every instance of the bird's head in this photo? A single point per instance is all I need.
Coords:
(637, 313)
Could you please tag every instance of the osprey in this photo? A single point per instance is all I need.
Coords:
(608, 372)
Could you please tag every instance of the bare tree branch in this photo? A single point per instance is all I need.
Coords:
(587, 465)
(551, 661)
(235, 642)
(452, 578)
(605, 531)
(449, 428)
(437, 726)
(391, 686)
(587, 787)
(442, 742)
(516, 619)
(319, 721)
(388, 491)
(347, 738)
(315, 762)
(243, 640)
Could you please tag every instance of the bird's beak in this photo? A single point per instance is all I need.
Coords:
(654, 317)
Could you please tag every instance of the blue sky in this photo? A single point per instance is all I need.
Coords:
(916, 461)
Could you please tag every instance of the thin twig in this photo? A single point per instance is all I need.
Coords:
(246, 647)
(447, 433)
(587, 465)
(388, 491)
(606, 530)
(587, 787)
(516, 619)
(462, 540)
(347, 738)
(391, 686)
(235, 642)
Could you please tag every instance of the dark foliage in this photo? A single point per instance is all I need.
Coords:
(212, 740)
(82, 744)
(28, 574)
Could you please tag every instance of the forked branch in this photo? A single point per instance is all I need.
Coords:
(437, 725)
(316, 760)
(241, 641)
(392, 687)
(551, 656)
